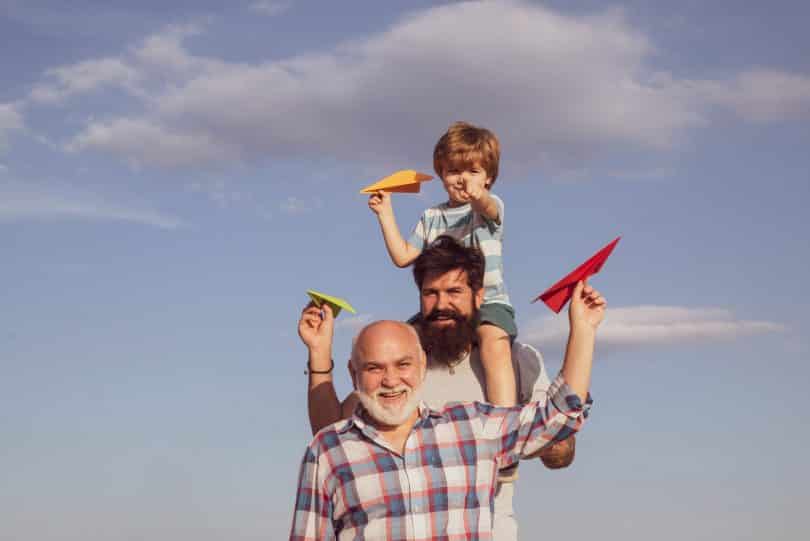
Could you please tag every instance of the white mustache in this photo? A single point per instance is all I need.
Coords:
(397, 389)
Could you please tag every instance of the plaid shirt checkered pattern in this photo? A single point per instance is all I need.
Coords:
(354, 485)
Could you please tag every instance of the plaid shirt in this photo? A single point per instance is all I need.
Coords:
(354, 485)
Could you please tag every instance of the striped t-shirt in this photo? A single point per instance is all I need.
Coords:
(470, 229)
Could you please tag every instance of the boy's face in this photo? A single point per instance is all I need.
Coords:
(459, 178)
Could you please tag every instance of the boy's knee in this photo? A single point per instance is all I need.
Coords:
(490, 332)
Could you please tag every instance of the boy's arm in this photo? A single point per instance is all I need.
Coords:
(315, 329)
(482, 201)
(401, 251)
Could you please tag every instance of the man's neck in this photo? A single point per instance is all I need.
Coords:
(396, 436)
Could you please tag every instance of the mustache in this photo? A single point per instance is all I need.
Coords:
(397, 389)
(447, 314)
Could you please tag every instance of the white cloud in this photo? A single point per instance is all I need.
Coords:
(25, 201)
(10, 119)
(762, 94)
(556, 88)
(66, 81)
(151, 64)
(143, 141)
(270, 7)
(217, 191)
(635, 326)
(295, 205)
(353, 323)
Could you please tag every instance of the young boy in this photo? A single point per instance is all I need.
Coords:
(466, 158)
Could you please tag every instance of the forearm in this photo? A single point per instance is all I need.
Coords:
(539, 425)
(578, 361)
(402, 253)
(322, 401)
(487, 207)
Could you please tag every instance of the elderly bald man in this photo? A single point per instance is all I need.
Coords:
(400, 470)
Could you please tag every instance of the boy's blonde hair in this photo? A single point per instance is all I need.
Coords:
(464, 144)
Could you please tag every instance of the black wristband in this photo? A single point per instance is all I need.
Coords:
(309, 369)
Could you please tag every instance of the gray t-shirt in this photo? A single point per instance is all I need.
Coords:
(465, 381)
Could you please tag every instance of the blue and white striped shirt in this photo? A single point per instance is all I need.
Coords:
(470, 229)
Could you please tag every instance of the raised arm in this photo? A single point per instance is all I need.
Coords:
(523, 432)
(584, 315)
(481, 200)
(316, 328)
(401, 251)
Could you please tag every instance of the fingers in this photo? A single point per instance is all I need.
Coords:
(590, 296)
(326, 312)
(378, 200)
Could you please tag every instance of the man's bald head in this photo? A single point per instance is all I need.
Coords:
(385, 335)
(388, 367)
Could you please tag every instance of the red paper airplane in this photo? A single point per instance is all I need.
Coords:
(557, 295)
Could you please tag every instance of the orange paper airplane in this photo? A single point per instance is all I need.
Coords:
(405, 181)
(557, 295)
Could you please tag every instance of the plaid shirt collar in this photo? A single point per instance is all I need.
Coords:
(360, 421)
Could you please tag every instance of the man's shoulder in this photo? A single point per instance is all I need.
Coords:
(330, 437)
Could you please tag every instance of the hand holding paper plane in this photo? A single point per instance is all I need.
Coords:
(336, 303)
(405, 181)
(557, 295)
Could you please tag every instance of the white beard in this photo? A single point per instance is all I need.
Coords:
(387, 416)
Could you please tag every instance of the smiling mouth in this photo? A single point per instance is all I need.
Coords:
(391, 396)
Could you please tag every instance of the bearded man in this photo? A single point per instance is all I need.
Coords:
(398, 469)
(450, 280)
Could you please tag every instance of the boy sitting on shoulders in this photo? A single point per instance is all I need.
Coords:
(466, 158)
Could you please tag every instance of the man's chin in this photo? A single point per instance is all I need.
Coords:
(390, 412)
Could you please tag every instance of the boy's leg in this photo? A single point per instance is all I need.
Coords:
(496, 331)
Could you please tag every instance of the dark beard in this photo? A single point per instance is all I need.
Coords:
(444, 345)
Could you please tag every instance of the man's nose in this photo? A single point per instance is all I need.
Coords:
(390, 378)
(442, 301)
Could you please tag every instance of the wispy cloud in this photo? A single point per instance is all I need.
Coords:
(66, 81)
(354, 323)
(27, 201)
(295, 205)
(638, 326)
(218, 191)
(10, 119)
(591, 73)
(270, 7)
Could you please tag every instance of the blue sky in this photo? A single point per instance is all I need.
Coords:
(174, 177)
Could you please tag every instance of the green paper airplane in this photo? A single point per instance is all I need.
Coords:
(336, 303)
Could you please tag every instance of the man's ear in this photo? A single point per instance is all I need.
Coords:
(479, 298)
(353, 374)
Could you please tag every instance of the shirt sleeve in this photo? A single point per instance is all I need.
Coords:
(496, 226)
(419, 234)
(519, 432)
(312, 517)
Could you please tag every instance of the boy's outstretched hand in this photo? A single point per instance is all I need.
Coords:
(474, 187)
(587, 307)
(380, 203)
